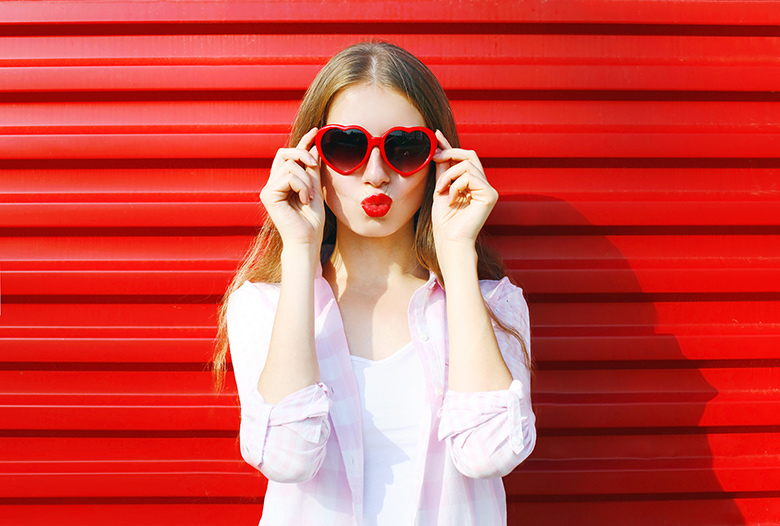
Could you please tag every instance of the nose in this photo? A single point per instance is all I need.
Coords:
(376, 171)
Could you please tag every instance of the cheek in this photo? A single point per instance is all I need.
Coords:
(418, 195)
(418, 192)
(326, 179)
(335, 190)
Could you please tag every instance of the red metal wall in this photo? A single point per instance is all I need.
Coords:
(635, 145)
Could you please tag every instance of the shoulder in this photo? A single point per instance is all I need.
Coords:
(251, 299)
(251, 292)
(500, 291)
(250, 316)
(508, 305)
(506, 301)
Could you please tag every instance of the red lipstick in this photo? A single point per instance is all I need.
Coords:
(376, 205)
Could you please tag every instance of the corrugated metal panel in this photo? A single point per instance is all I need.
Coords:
(635, 146)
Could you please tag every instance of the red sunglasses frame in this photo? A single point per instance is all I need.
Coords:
(376, 142)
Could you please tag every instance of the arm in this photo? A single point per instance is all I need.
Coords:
(286, 441)
(293, 199)
(476, 363)
(489, 433)
(462, 202)
(284, 424)
(292, 358)
(487, 418)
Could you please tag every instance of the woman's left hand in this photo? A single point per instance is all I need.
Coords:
(463, 198)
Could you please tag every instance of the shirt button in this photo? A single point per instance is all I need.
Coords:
(423, 337)
(439, 391)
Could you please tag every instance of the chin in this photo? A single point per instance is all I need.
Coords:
(379, 227)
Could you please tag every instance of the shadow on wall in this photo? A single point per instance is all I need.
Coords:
(618, 404)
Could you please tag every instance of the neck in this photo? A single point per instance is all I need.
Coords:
(373, 263)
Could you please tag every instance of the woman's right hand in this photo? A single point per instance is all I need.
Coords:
(293, 194)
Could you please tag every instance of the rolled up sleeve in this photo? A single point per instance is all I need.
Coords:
(489, 433)
(286, 441)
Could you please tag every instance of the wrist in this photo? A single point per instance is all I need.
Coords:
(301, 250)
(302, 259)
(457, 257)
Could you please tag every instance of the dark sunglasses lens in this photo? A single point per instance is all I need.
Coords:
(407, 151)
(344, 149)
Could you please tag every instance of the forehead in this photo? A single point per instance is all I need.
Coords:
(375, 108)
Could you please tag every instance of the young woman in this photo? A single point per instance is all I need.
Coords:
(369, 396)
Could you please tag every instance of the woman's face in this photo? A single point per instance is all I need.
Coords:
(377, 110)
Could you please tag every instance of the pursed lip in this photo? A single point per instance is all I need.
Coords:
(377, 200)
(376, 205)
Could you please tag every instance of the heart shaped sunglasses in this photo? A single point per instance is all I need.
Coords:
(347, 148)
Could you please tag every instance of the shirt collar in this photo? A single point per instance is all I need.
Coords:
(433, 281)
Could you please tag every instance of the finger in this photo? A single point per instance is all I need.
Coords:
(444, 144)
(441, 164)
(446, 152)
(292, 173)
(468, 187)
(307, 140)
(457, 155)
(460, 189)
(441, 167)
(308, 176)
(313, 180)
(314, 171)
(298, 155)
(451, 175)
(300, 187)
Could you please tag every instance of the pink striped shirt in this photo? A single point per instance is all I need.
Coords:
(309, 445)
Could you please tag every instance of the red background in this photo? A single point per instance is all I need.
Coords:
(635, 146)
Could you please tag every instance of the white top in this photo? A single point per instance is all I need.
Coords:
(392, 398)
(310, 445)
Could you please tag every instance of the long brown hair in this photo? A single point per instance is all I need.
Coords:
(388, 66)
